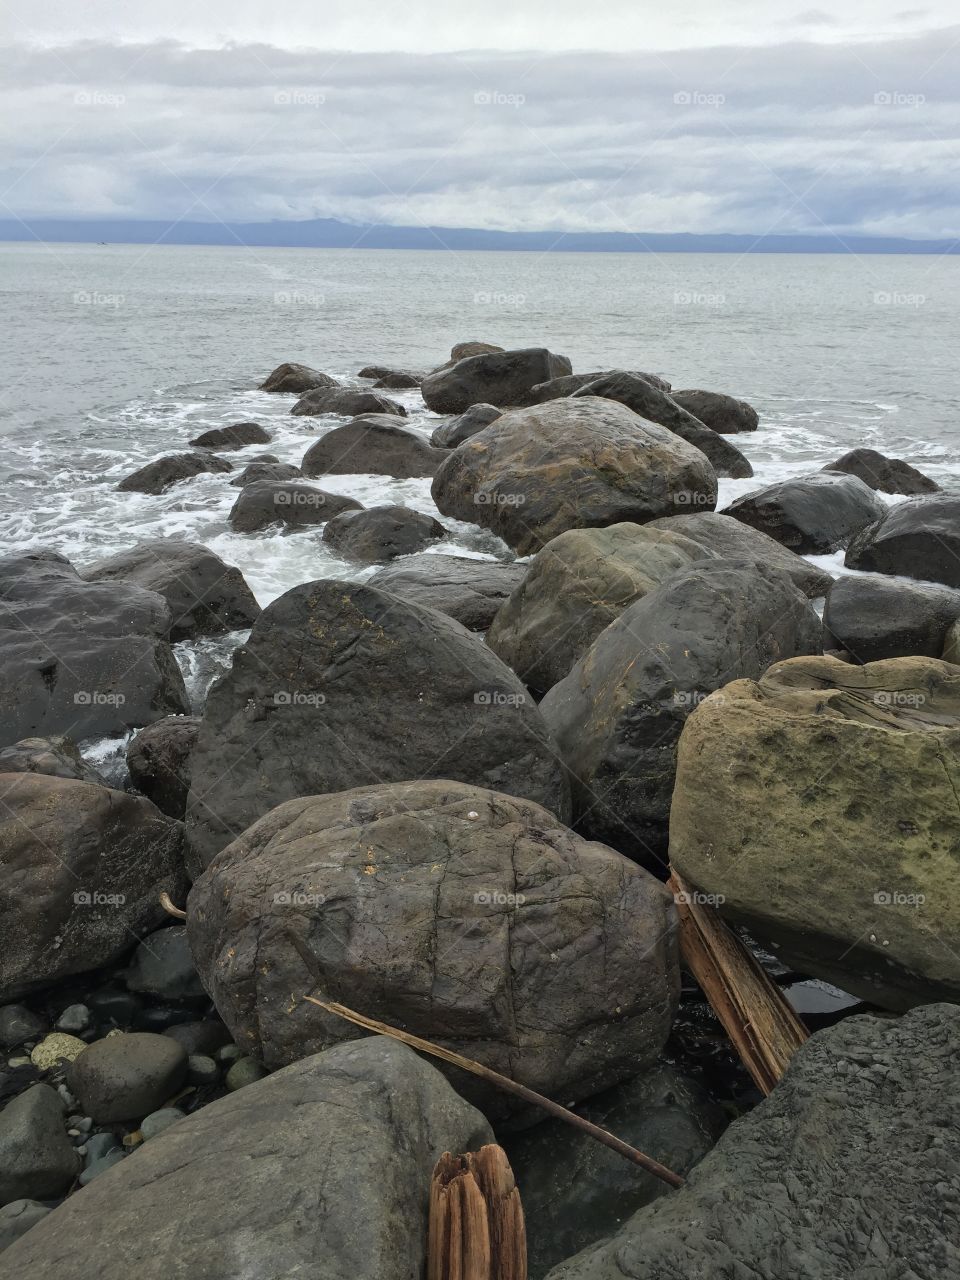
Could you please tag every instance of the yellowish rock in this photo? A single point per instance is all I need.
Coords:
(56, 1047)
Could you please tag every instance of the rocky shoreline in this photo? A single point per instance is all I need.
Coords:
(456, 787)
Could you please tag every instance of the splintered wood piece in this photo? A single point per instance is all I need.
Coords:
(476, 1227)
(752, 1009)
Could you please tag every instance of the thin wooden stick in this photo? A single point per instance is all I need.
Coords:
(167, 903)
(504, 1082)
(752, 1009)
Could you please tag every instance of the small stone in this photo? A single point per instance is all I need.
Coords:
(228, 1053)
(18, 1062)
(202, 1070)
(80, 1124)
(100, 1166)
(55, 1048)
(112, 1005)
(127, 1076)
(18, 1217)
(243, 1072)
(98, 1145)
(75, 1019)
(157, 1121)
(69, 1101)
(133, 1140)
(19, 1024)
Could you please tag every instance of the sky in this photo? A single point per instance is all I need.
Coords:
(743, 117)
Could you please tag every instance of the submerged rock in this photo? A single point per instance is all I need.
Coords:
(379, 534)
(265, 503)
(158, 476)
(257, 471)
(238, 436)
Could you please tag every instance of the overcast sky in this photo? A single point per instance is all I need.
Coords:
(693, 116)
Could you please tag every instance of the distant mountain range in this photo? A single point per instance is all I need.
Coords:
(328, 233)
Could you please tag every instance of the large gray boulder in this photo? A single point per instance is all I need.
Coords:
(504, 379)
(341, 685)
(347, 402)
(873, 617)
(237, 436)
(454, 431)
(574, 588)
(37, 1159)
(158, 760)
(265, 470)
(572, 382)
(849, 1168)
(266, 503)
(162, 473)
(381, 533)
(572, 463)
(205, 595)
(320, 1170)
(618, 715)
(466, 916)
(813, 515)
(83, 870)
(889, 475)
(79, 658)
(919, 538)
(720, 413)
(469, 590)
(296, 379)
(657, 406)
(371, 444)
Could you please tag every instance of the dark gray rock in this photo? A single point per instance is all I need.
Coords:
(617, 716)
(321, 1170)
(125, 1077)
(875, 617)
(576, 1191)
(205, 595)
(340, 686)
(390, 379)
(381, 533)
(75, 1019)
(720, 413)
(471, 918)
(237, 436)
(296, 379)
(454, 431)
(200, 1038)
(83, 869)
(158, 760)
(158, 476)
(296, 506)
(919, 538)
(577, 462)
(162, 966)
(658, 406)
(469, 590)
(849, 1168)
(347, 402)
(79, 658)
(812, 515)
(59, 757)
(157, 1121)
(257, 471)
(889, 475)
(16, 1219)
(722, 535)
(37, 1159)
(505, 379)
(96, 1168)
(19, 1024)
(371, 444)
(567, 385)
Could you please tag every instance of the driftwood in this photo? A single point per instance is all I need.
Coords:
(504, 1082)
(754, 1012)
(476, 1219)
(167, 903)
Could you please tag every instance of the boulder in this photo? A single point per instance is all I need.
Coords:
(873, 617)
(296, 506)
(395, 379)
(460, 350)
(237, 436)
(919, 538)
(348, 402)
(320, 1170)
(469, 917)
(618, 715)
(84, 868)
(296, 379)
(126, 1076)
(570, 464)
(381, 533)
(454, 431)
(720, 413)
(576, 1191)
(271, 471)
(37, 1159)
(571, 382)
(157, 476)
(371, 444)
(158, 760)
(889, 475)
(849, 1168)
(657, 406)
(504, 378)
(574, 588)
(469, 590)
(85, 659)
(59, 757)
(340, 686)
(162, 966)
(828, 774)
(206, 596)
(813, 515)
(724, 536)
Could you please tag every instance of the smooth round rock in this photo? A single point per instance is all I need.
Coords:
(127, 1076)
(202, 1070)
(243, 1072)
(157, 1121)
(100, 1166)
(74, 1019)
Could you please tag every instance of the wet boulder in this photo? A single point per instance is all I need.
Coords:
(237, 436)
(341, 685)
(158, 476)
(295, 506)
(721, 413)
(296, 379)
(469, 590)
(205, 595)
(383, 533)
(391, 379)
(572, 382)
(57, 756)
(578, 462)
(919, 538)
(255, 472)
(873, 617)
(813, 515)
(454, 431)
(618, 715)
(889, 475)
(348, 402)
(371, 444)
(470, 917)
(158, 760)
(505, 379)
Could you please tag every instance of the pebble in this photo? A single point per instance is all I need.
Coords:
(229, 1053)
(100, 1166)
(54, 1048)
(157, 1121)
(69, 1101)
(243, 1072)
(202, 1070)
(126, 1076)
(75, 1018)
(19, 1024)
(98, 1145)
